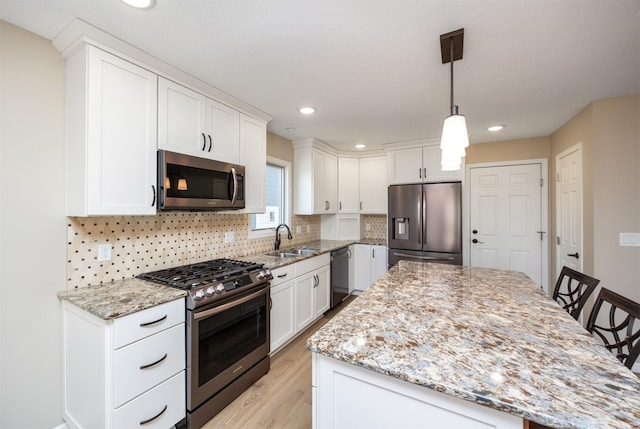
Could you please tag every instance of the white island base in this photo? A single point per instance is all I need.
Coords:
(350, 397)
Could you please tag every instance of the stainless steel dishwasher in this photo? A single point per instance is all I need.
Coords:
(339, 275)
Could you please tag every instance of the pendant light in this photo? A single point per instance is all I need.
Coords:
(454, 131)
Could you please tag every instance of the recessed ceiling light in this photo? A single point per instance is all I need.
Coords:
(495, 128)
(360, 146)
(307, 110)
(141, 4)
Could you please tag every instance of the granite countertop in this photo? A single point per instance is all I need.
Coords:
(321, 246)
(487, 336)
(120, 298)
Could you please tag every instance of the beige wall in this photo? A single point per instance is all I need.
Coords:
(511, 150)
(279, 147)
(32, 229)
(610, 133)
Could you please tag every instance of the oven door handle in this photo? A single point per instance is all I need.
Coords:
(229, 305)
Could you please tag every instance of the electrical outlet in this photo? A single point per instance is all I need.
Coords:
(298, 229)
(308, 228)
(229, 237)
(104, 252)
(367, 227)
(631, 239)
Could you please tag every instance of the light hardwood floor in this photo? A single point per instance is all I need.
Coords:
(282, 398)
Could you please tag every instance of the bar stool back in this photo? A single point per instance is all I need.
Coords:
(573, 293)
(622, 335)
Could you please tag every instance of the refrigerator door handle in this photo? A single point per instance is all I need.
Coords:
(423, 216)
(429, 258)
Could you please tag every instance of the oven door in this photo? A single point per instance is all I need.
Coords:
(225, 341)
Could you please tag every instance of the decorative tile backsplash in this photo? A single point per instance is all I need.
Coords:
(377, 227)
(148, 243)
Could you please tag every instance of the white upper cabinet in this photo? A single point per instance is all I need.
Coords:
(111, 136)
(373, 185)
(315, 181)
(417, 165)
(190, 123)
(253, 155)
(348, 185)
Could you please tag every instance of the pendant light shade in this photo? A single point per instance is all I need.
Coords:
(454, 131)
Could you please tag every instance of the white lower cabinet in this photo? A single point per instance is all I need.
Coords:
(337, 395)
(124, 372)
(370, 264)
(300, 294)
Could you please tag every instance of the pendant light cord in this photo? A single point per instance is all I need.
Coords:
(454, 108)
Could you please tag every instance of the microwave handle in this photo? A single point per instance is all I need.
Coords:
(235, 186)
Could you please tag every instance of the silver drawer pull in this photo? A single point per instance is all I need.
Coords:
(144, 422)
(143, 325)
(149, 365)
(282, 275)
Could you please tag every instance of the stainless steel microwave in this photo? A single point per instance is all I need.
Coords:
(187, 182)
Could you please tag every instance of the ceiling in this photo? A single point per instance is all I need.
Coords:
(372, 68)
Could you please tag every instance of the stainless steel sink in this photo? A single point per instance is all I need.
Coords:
(292, 253)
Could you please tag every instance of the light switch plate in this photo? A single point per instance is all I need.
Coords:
(229, 237)
(631, 239)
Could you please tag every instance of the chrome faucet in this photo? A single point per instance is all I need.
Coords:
(289, 236)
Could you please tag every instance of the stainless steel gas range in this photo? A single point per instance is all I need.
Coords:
(227, 330)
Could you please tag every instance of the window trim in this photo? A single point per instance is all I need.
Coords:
(263, 233)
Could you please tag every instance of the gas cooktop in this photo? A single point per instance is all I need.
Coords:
(208, 281)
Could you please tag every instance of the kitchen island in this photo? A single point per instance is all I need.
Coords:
(432, 345)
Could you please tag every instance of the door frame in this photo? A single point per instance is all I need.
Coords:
(544, 211)
(575, 148)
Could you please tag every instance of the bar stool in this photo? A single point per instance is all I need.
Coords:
(622, 335)
(573, 294)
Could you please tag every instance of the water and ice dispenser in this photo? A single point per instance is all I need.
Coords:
(401, 228)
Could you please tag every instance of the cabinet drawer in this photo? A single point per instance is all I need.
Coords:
(170, 394)
(283, 274)
(134, 369)
(147, 322)
(311, 264)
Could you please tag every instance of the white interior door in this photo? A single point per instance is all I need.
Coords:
(505, 219)
(569, 209)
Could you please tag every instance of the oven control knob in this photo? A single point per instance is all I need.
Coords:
(209, 291)
(220, 288)
(198, 295)
(268, 275)
(260, 275)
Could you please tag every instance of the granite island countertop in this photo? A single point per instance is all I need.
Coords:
(120, 298)
(487, 336)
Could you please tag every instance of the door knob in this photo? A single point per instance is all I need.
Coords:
(574, 255)
(475, 231)
(475, 240)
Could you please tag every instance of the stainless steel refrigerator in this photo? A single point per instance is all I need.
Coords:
(425, 223)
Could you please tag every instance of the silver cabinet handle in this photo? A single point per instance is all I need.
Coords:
(144, 325)
(144, 422)
(149, 365)
(420, 173)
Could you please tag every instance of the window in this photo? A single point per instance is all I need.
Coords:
(276, 199)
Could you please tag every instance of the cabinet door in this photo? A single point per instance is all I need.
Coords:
(253, 155)
(181, 119)
(331, 183)
(120, 149)
(223, 132)
(348, 185)
(362, 263)
(373, 185)
(378, 262)
(405, 166)
(322, 291)
(320, 203)
(304, 296)
(431, 160)
(282, 314)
